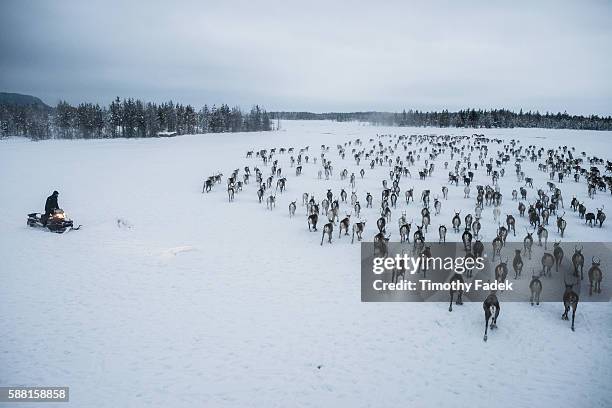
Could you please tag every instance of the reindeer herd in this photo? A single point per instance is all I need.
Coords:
(476, 162)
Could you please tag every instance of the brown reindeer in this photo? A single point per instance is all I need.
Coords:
(456, 278)
(570, 300)
(491, 308)
(595, 276)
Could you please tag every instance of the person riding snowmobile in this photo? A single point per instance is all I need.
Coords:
(50, 206)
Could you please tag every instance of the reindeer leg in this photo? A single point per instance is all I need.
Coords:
(573, 315)
(450, 307)
(487, 315)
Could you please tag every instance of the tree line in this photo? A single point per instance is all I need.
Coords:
(467, 118)
(126, 118)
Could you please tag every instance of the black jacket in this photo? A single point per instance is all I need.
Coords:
(51, 204)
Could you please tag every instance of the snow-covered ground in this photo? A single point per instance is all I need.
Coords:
(189, 300)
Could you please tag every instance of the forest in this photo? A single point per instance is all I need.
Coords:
(127, 118)
(467, 118)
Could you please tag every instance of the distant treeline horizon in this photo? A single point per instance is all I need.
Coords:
(466, 118)
(25, 115)
(128, 118)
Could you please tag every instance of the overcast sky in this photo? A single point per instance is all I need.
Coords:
(310, 55)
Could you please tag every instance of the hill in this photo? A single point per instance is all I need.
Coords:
(7, 98)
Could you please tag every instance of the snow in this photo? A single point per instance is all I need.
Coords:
(171, 297)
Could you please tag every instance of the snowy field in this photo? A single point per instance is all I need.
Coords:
(193, 301)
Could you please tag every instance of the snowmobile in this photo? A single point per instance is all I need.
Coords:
(57, 222)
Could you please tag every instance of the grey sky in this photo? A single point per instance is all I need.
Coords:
(313, 55)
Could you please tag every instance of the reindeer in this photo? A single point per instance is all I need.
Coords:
(469, 266)
(358, 228)
(561, 224)
(400, 270)
(381, 242)
(208, 184)
(442, 233)
(445, 192)
(344, 225)
(595, 276)
(496, 213)
(578, 261)
(558, 254)
(425, 220)
(468, 221)
(521, 209)
(510, 221)
(466, 238)
(535, 286)
(501, 270)
(497, 246)
(312, 221)
(437, 205)
(589, 218)
(570, 300)
(404, 231)
(491, 308)
(528, 242)
(334, 213)
(456, 278)
(574, 204)
(281, 184)
(601, 217)
(478, 211)
(581, 210)
(418, 237)
(476, 226)
(547, 263)
(478, 248)
(517, 264)
(381, 223)
(271, 202)
(542, 234)
(456, 221)
(260, 193)
(292, 208)
(328, 229)
(409, 195)
(357, 209)
(502, 232)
